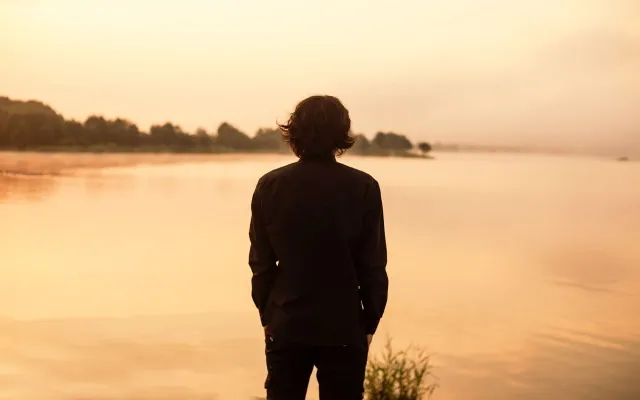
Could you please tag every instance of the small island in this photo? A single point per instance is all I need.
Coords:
(36, 127)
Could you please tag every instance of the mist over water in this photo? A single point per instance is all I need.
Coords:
(520, 273)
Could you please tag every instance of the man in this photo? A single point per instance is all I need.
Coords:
(318, 256)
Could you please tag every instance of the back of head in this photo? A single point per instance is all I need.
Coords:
(319, 127)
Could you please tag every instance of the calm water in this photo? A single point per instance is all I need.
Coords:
(520, 274)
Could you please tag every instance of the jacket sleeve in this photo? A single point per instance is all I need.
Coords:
(372, 260)
(262, 258)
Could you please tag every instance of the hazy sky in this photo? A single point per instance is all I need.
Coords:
(482, 71)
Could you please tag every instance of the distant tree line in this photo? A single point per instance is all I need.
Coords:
(35, 126)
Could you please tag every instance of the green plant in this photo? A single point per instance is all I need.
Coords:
(400, 375)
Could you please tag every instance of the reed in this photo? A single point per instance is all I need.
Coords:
(400, 375)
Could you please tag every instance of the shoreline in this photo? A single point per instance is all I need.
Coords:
(33, 164)
(67, 163)
(36, 163)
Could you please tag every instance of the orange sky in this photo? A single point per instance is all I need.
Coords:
(484, 71)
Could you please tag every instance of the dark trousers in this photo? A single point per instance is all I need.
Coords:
(341, 370)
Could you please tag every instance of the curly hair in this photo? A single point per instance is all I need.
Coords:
(318, 127)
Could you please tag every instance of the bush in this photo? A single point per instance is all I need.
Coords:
(400, 375)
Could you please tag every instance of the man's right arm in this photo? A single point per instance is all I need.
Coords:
(372, 260)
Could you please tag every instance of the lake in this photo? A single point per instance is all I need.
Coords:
(520, 274)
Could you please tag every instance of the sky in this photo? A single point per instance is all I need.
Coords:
(526, 72)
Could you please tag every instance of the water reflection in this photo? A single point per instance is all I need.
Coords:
(26, 188)
(552, 365)
(16, 188)
(522, 280)
(87, 359)
(592, 269)
(90, 360)
(97, 183)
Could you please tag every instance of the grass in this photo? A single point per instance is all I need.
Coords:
(400, 375)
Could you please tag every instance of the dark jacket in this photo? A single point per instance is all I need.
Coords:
(318, 253)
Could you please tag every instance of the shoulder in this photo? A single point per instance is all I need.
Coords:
(358, 175)
(275, 175)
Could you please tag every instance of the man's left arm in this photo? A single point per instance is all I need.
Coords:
(262, 258)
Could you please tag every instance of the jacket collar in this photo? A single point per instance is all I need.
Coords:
(323, 159)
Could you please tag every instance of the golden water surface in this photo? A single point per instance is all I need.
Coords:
(520, 274)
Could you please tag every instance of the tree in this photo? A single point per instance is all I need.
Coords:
(123, 133)
(5, 118)
(25, 131)
(166, 134)
(392, 141)
(74, 134)
(203, 139)
(25, 107)
(424, 147)
(34, 125)
(19, 134)
(361, 144)
(96, 127)
(268, 139)
(232, 138)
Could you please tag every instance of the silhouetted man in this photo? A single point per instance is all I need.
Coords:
(318, 256)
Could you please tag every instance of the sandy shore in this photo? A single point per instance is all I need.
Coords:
(27, 163)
